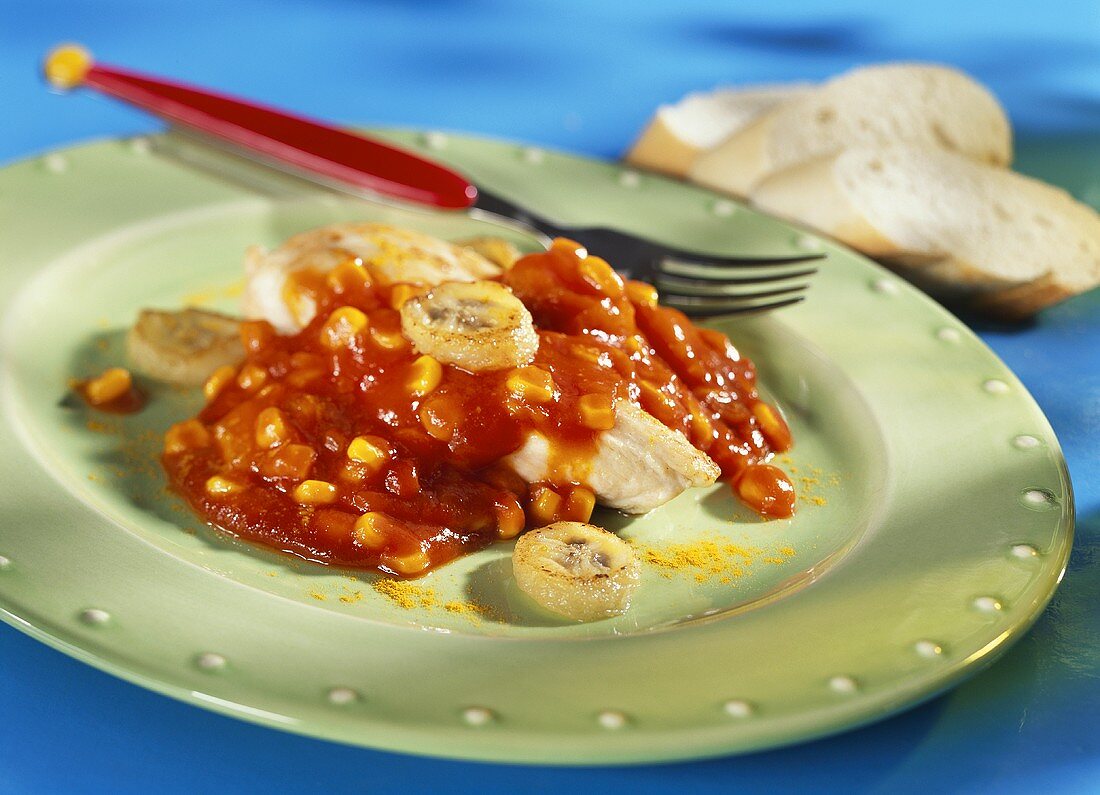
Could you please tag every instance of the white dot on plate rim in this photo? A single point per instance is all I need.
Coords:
(435, 140)
(1038, 498)
(477, 716)
(342, 695)
(1025, 442)
(995, 386)
(843, 684)
(723, 208)
(1024, 551)
(988, 604)
(948, 335)
(210, 661)
(533, 154)
(928, 648)
(55, 164)
(4, 562)
(808, 243)
(94, 616)
(610, 719)
(736, 708)
(140, 146)
(884, 286)
(630, 179)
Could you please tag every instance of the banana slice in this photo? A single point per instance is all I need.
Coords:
(495, 249)
(473, 325)
(183, 347)
(578, 570)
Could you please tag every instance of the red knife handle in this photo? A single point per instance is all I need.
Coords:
(299, 142)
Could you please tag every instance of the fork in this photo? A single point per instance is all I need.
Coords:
(696, 283)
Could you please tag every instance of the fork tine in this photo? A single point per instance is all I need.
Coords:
(715, 296)
(674, 280)
(702, 259)
(722, 310)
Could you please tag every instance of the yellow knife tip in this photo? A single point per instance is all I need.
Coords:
(67, 65)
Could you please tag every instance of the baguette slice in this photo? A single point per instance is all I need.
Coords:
(960, 229)
(877, 105)
(677, 134)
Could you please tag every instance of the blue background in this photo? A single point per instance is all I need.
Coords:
(584, 76)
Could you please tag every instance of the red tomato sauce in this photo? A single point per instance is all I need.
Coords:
(348, 448)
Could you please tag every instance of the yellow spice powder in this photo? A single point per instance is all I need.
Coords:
(710, 558)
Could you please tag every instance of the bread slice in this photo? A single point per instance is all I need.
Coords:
(679, 133)
(877, 105)
(958, 228)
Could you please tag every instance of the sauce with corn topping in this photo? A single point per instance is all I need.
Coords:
(342, 445)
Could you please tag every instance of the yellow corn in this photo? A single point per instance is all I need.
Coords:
(370, 451)
(184, 436)
(390, 340)
(111, 385)
(510, 519)
(425, 373)
(251, 377)
(597, 412)
(315, 492)
(341, 327)
(271, 428)
(370, 530)
(219, 486)
(218, 381)
(578, 505)
(544, 506)
(412, 563)
(641, 294)
(400, 293)
(531, 383)
(348, 275)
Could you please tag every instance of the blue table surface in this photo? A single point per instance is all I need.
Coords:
(584, 75)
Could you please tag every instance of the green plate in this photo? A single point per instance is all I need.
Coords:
(934, 523)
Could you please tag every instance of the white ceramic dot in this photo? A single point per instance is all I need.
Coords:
(736, 708)
(995, 386)
(140, 146)
(342, 695)
(885, 286)
(808, 243)
(844, 685)
(477, 716)
(948, 335)
(55, 164)
(928, 648)
(95, 616)
(630, 179)
(1024, 551)
(435, 140)
(533, 155)
(1025, 442)
(4, 562)
(1038, 499)
(988, 604)
(723, 208)
(610, 719)
(210, 661)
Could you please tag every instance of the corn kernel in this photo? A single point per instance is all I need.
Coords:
(271, 428)
(510, 519)
(400, 293)
(641, 294)
(597, 273)
(348, 275)
(371, 530)
(255, 334)
(341, 327)
(219, 486)
(597, 412)
(315, 492)
(425, 373)
(531, 383)
(578, 505)
(218, 381)
(111, 385)
(251, 377)
(775, 430)
(411, 563)
(389, 340)
(369, 450)
(184, 436)
(544, 506)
